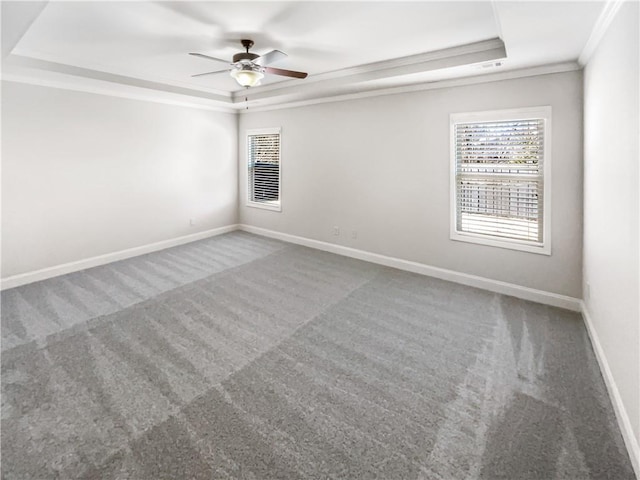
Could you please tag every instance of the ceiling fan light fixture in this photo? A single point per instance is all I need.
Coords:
(249, 68)
(247, 76)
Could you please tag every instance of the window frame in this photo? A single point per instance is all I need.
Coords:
(544, 113)
(273, 206)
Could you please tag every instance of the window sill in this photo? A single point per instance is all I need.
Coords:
(273, 206)
(523, 246)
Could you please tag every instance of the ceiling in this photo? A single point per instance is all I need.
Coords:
(141, 48)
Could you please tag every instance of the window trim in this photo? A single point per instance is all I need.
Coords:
(276, 207)
(543, 112)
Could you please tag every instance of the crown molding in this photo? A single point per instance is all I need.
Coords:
(46, 71)
(107, 89)
(34, 64)
(601, 26)
(456, 82)
(468, 54)
(315, 85)
(47, 61)
(34, 71)
(334, 86)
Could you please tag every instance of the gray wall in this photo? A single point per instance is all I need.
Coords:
(611, 203)
(85, 174)
(380, 166)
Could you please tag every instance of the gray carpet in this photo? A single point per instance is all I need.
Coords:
(244, 357)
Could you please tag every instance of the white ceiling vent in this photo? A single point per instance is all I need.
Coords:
(487, 65)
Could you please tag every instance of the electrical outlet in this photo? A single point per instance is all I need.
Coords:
(192, 221)
(354, 234)
(336, 231)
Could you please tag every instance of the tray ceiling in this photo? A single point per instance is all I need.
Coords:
(345, 47)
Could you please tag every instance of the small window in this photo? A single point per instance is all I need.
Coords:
(263, 169)
(500, 164)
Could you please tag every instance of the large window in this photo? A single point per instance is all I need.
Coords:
(263, 168)
(500, 184)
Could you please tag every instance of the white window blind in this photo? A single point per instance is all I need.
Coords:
(263, 152)
(499, 170)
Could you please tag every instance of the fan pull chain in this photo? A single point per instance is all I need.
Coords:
(246, 101)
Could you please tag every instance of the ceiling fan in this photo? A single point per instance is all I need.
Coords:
(249, 68)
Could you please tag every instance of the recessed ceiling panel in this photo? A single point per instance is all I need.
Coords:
(150, 40)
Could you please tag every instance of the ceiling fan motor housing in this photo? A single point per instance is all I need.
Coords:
(246, 56)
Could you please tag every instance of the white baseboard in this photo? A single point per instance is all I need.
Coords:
(43, 274)
(497, 286)
(624, 423)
